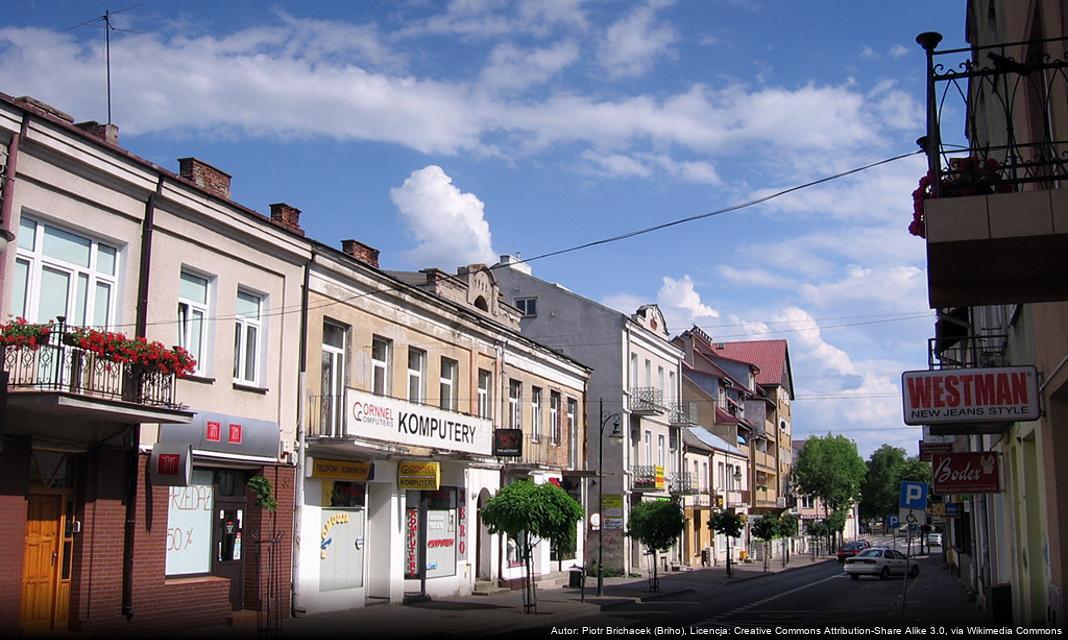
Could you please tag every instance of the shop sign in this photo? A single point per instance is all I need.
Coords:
(948, 396)
(224, 433)
(965, 473)
(927, 449)
(508, 443)
(952, 509)
(653, 481)
(396, 421)
(419, 475)
(171, 465)
(612, 505)
(411, 544)
(461, 544)
(343, 470)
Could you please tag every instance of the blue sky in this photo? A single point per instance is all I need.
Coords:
(445, 133)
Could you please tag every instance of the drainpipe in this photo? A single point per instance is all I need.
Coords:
(302, 412)
(133, 465)
(7, 196)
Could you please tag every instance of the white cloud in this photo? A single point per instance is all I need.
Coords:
(869, 54)
(624, 302)
(448, 225)
(681, 304)
(513, 68)
(632, 45)
(755, 278)
(898, 51)
(647, 164)
(883, 287)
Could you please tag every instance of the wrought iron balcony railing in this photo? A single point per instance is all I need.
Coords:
(967, 351)
(1006, 93)
(648, 478)
(683, 413)
(646, 400)
(684, 483)
(53, 365)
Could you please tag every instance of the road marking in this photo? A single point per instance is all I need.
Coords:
(719, 618)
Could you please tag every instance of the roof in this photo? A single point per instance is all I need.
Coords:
(710, 439)
(771, 357)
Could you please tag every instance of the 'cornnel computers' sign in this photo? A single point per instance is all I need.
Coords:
(1004, 394)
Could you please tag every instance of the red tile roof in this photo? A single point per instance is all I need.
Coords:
(770, 356)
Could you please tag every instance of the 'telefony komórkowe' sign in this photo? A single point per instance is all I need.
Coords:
(1002, 394)
(387, 419)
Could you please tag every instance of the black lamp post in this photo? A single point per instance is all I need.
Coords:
(600, 489)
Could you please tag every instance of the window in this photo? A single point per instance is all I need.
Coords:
(58, 273)
(704, 476)
(696, 477)
(485, 398)
(554, 417)
(248, 333)
(648, 373)
(192, 312)
(447, 398)
(416, 371)
(660, 450)
(515, 404)
(528, 307)
(660, 380)
(572, 431)
(671, 388)
(381, 363)
(535, 413)
(719, 473)
(648, 448)
(332, 408)
(633, 370)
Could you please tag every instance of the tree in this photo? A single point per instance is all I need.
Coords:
(881, 486)
(730, 525)
(788, 525)
(766, 528)
(657, 525)
(830, 468)
(528, 513)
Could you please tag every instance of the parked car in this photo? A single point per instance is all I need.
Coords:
(934, 539)
(850, 549)
(880, 562)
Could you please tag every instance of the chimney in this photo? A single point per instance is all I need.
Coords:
(205, 176)
(286, 217)
(107, 132)
(513, 263)
(360, 251)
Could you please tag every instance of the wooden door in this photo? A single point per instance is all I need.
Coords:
(41, 562)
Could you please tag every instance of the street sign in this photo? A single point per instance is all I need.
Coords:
(913, 496)
(952, 509)
(892, 521)
(912, 517)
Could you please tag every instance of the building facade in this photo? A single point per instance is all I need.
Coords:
(635, 383)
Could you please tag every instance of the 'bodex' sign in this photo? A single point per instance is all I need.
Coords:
(955, 473)
(1004, 394)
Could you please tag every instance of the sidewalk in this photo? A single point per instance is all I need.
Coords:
(499, 613)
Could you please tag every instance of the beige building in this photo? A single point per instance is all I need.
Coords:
(411, 375)
(721, 470)
(996, 233)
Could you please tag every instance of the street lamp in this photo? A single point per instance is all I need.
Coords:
(616, 433)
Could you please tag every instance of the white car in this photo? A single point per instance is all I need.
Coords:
(880, 562)
(934, 539)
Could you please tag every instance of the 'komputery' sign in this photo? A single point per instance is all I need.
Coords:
(386, 419)
(1004, 394)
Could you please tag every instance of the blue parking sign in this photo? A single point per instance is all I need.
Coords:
(913, 495)
(892, 522)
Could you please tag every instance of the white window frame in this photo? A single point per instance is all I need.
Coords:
(448, 384)
(633, 370)
(37, 261)
(242, 326)
(535, 413)
(660, 447)
(515, 404)
(417, 374)
(380, 369)
(485, 391)
(660, 380)
(334, 396)
(185, 327)
(572, 431)
(554, 417)
(671, 388)
(648, 448)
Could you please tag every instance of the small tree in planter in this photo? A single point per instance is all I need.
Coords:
(657, 525)
(766, 528)
(528, 513)
(730, 525)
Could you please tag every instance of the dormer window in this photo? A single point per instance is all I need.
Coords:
(528, 307)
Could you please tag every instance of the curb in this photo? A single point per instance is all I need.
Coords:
(625, 600)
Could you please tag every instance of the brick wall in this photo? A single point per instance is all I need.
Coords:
(263, 525)
(14, 482)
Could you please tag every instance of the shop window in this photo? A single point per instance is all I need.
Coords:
(436, 513)
(189, 526)
(342, 535)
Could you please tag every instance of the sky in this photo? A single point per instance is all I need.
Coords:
(449, 133)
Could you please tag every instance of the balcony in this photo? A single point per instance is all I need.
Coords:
(764, 460)
(648, 478)
(58, 378)
(683, 413)
(541, 452)
(996, 217)
(954, 352)
(684, 484)
(646, 401)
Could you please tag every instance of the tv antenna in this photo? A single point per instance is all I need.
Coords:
(108, 28)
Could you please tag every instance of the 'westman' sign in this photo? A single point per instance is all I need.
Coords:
(1005, 394)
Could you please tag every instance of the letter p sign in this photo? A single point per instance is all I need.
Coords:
(913, 495)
